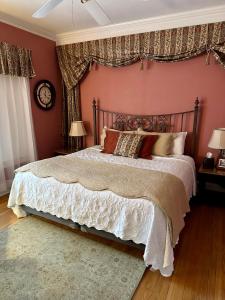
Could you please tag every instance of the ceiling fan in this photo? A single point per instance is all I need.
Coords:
(92, 6)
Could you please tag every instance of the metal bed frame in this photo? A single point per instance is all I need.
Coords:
(172, 122)
(123, 121)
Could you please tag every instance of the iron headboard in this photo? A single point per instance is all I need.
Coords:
(172, 122)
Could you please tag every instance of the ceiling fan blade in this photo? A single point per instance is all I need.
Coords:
(97, 12)
(46, 8)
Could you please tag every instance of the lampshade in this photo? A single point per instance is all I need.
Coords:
(217, 140)
(77, 129)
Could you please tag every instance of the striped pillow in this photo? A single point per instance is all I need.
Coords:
(128, 145)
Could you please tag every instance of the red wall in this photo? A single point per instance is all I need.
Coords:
(159, 88)
(47, 124)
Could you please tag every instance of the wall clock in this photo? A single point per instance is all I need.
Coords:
(44, 94)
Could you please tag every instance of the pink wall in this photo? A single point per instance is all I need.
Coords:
(47, 124)
(159, 88)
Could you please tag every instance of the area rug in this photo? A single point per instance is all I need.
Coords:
(39, 260)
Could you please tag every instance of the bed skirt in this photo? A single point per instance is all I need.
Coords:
(83, 228)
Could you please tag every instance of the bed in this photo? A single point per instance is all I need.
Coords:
(136, 222)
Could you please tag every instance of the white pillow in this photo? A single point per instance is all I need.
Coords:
(178, 143)
(103, 136)
(178, 140)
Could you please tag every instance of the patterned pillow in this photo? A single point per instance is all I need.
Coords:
(128, 145)
(105, 129)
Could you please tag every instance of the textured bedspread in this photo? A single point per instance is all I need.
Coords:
(164, 189)
(139, 220)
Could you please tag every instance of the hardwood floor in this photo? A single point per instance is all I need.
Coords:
(199, 257)
(6, 215)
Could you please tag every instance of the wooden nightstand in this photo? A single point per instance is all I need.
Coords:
(64, 151)
(210, 176)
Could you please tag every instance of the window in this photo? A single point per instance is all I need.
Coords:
(17, 143)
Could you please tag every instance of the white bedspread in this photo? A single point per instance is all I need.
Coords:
(129, 219)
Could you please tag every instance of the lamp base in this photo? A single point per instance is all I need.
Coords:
(75, 149)
(77, 145)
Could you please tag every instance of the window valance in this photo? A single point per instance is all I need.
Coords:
(163, 46)
(15, 61)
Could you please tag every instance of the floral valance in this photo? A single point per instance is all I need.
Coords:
(163, 46)
(15, 61)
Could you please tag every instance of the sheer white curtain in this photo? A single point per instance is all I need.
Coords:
(17, 142)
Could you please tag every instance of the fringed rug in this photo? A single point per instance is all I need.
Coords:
(39, 260)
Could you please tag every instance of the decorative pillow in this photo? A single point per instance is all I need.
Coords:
(103, 135)
(129, 145)
(179, 143)
(110, 141)
(147, 145)
(163, 145)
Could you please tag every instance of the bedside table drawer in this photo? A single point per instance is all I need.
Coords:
(211, 178)
(207, 177)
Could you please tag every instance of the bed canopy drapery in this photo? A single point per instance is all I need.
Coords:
(163, 46)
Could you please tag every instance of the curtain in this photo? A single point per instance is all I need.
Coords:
(15, 61)
(164, 46)
(17, 143)
(71, 112)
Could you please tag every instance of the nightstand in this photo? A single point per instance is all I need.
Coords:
(210, 176)
(65, 151)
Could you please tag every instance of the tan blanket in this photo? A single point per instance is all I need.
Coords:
(165, 190)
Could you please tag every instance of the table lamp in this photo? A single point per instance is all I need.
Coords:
(77, 130)
(217, 141)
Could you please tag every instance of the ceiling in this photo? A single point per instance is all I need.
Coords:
(119, 11)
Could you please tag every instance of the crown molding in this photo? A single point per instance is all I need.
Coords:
(5, 18)
(194, 17)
